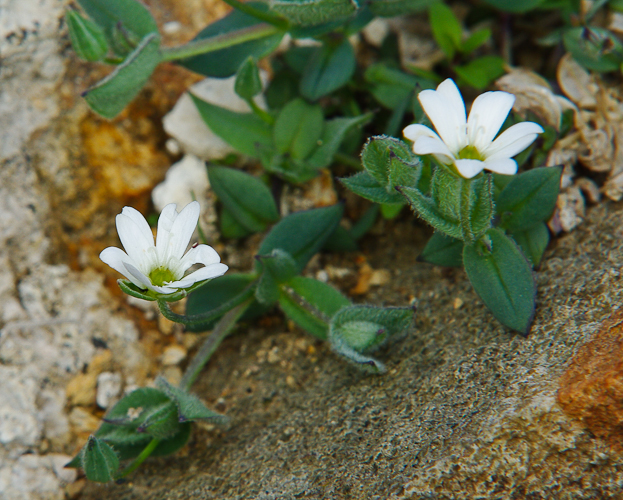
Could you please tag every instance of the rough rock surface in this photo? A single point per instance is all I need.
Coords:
(467, 410)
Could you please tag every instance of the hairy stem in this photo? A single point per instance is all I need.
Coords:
(465, 210)
(258, 14)
(221, 330)
(148, 450)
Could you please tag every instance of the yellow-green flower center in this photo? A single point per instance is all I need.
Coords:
(161, 275)
(470, 153)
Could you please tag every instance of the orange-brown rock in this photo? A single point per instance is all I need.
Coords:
(591, 390)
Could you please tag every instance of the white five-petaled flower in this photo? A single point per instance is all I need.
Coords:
(161, 267)
(468, 143)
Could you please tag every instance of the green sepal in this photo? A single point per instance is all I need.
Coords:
(220, 296)
(310, 12)
(329, 68)
(333, 135)
(529, 198)
(302, 234)
(124, 22)
(99, 461)
(532, 241)
(109, 96)
(311, 304)
(426, 208)
(355, 331)
(245, 132)
(225, 62)
(298, 128)
(248, 83)
(189, 407)
(443, 250)
(502, 277)
(87, 38)
(132, 290)
(276, 268)
(247, 199)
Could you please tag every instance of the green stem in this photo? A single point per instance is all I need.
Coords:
(264, 115)
(148, 450)
(194, 319)
(218, 42)
(258, 14)
(221, 330)
(465, 210)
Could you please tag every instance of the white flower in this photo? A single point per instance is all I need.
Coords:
(161, 267)
(468, 143)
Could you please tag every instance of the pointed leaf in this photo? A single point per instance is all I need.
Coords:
(99, 461)
(533, 242)
(298, 128)
(246, 198)
(248, 83)
(190, 408)
(502, 277)
(329, 68)
(225, 62)
(443, 250)
(302, 234)
(480, 72)
(246, 132)
(529, 198)
(332, 137)
(426, 208)
(109, 96)
(311, 304)
(160, 422)
(377, 153)
(446, 28)
(87, 38)
(364, 185)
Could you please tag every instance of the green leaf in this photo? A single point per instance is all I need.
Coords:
(99, 461)
(533, 242)
(277, 268)
(302, 234)
(529, 198)
(216, 294)
(390, 211)
(298, 128)
(307, 12)
(189, 407)
(426, 208)
(475, 40)
(311, 304)
(87, 38)
(160, 422)
(480, 72)
(443, 250)
(225, 62)
(515, 5)
(391, 86)
(341, 240)
(230, 227)
(109, 96)
(446, 28)
(248, 83)
(247, 199)
(594, 48)
(245, 132)
(334, 132)
(364, 185)
(123, 22)
(377, 154)
(391, 8)
(329, 68)
(502, 277)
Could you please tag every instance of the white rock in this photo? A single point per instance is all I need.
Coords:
(185, 124)
(376, 31)
(173, 355)
(108, 388)
(189, 175)
(18, 423)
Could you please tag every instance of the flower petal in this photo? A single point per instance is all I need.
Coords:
(446, 109)
(139, 246)
(145, 282)
(205, 273)
(183, 228)
(504, 166)
(415, 131)
(487, 115)
(469, 168)
(116, 258)
(201, 254)
(513, 141)
(433, 146)
(140, 222)
(163, 237)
